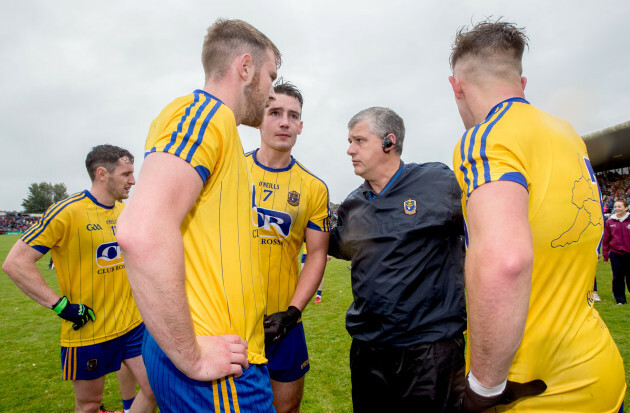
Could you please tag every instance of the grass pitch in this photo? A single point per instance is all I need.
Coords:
(31, 371)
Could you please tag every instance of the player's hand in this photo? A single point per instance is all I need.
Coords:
(219, 356)
(277, 325)
(472, 402)
(78, 314)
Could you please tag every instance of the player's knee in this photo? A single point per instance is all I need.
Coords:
(89, 406)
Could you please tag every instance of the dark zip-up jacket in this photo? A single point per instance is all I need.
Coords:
(406, 248)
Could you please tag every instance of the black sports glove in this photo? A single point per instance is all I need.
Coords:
(79, 314)
(278, 324)
(472, 402)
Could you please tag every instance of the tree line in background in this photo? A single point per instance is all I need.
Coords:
(42, 195)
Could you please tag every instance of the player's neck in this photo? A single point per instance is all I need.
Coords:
(496, 96)
(102, 195)
(272, 158)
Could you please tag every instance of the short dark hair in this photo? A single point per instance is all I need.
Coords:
(382, 121)
(227, 39)
(489, 38)
(287, 88)
(106, 156)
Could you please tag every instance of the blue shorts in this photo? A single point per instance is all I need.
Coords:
(92, 362)
(288, 359)
(303, 258)
(176, 392)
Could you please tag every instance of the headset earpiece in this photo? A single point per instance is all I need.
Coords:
(387, 143)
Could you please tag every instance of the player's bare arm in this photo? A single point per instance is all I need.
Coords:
(149, 235)
(498, 277)
(314, 266)
(21, 268)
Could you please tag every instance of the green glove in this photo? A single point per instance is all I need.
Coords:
(78, 314)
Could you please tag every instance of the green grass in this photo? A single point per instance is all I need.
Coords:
(31, 373)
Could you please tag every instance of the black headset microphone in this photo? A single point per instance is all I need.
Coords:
(387, 143)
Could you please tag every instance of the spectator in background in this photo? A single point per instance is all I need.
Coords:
(616, 246)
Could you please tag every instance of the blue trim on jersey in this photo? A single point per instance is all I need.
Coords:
(202, 131)
(314, 226)
(462, 168)
(191, 128)
(181, 123)
(89, 195)
(496, 107)
(268, 169)
(482, 150)
(471, 159)
(41, 248)
(515, 177)
(147, 153)
(203, 172)
(50, 215)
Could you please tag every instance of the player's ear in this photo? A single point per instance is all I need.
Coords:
(101, 173)
(245, 66)
(457, 87)
(301, 126)
(523, 82)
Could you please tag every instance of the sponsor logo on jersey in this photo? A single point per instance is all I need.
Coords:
(94, 227)
(294, 198)
(270, 223)
(108, 255)
(409, 206)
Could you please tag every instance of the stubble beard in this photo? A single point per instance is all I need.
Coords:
(255, 103)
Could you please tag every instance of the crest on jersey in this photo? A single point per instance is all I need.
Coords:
(294, 198)
(409, 206)
(108, 254)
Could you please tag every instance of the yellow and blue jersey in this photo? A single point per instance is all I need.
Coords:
(223, 283)
(566, 343)
(81, 236)
(288, 200)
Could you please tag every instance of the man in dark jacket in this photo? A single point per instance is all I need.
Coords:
(403, 231)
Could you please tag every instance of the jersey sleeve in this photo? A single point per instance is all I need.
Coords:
(50, 231)
(192, 132)
(483, 156)
(320, 216)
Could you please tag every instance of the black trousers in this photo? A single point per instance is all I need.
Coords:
(421, 378)
(620, 265)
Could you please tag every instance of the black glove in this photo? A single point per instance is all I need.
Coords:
(278, 324)
(79, 314)
(472, 402)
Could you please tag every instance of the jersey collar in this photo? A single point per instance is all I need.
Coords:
(266, 168)
(89, 195)
(496, 107)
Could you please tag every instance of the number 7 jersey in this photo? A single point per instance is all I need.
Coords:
(288, 201)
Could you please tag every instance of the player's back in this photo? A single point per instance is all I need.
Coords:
(566, 343)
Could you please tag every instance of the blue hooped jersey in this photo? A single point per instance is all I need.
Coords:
(566, 343)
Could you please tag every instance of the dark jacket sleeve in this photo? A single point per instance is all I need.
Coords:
(337, 247)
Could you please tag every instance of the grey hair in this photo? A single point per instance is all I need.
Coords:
(382, 121)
